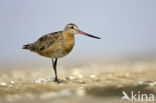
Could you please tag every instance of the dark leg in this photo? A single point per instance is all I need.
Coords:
(55, 69)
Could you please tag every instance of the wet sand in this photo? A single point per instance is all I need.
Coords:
(96, 82)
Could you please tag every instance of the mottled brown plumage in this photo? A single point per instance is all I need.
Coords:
(53, 45)
(57, 44)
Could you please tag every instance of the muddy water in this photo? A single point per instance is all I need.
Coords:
(95, 82)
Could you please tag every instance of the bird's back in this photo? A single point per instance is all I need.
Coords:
(43, 42)
(52, 45)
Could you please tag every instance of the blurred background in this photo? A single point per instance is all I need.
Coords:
(95, 70)
(127, 28)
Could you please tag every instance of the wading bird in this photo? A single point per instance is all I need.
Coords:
(57, 44)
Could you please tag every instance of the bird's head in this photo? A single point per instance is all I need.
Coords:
(73, 29)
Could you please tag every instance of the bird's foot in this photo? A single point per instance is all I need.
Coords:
(56, 80)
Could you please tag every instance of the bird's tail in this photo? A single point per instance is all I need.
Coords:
(26, 46)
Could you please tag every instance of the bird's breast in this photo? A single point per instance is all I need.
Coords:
(68, 43)
(59, 48)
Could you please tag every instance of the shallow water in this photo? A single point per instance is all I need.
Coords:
(98, 82)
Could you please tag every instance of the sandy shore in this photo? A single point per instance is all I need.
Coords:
(98, 82)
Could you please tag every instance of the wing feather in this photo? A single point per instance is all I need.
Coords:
(44, 42)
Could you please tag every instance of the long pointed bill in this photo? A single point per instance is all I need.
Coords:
(83, 33)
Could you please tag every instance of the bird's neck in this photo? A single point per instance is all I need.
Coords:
(68, 36)
(69, 42)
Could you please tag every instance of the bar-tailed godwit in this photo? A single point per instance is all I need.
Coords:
(57, 44)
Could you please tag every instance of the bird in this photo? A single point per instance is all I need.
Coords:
(56, 44)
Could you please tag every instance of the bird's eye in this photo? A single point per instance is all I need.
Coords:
(72, 27)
